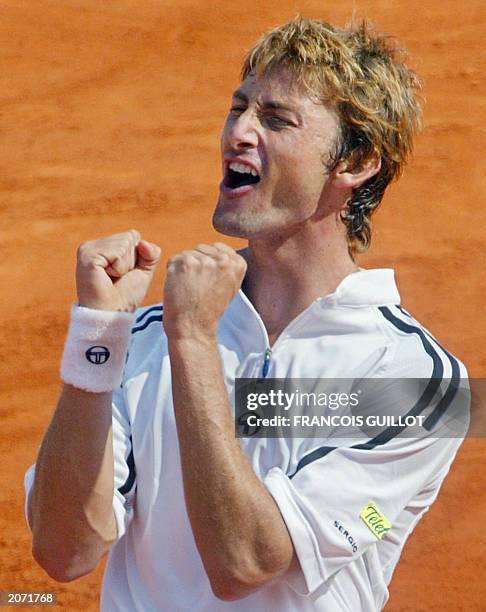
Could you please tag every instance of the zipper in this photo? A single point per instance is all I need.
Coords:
(266, 362)
(285, 332)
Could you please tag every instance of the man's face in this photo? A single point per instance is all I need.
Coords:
(274, 144)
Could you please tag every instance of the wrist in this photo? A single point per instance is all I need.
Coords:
(105, 305)
(95, 349)
(191, 342)
(183, 333)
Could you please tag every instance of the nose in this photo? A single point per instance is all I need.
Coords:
(241, 132)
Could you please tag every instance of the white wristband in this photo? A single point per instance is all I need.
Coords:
(95, 349)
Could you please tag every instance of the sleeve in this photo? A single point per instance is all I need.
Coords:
(343, 501)
(124, 464)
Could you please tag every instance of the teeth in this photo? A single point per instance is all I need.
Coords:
(243, 168)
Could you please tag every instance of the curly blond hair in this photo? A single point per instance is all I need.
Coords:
(363, 76)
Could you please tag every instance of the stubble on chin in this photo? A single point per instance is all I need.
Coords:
(255, 223)
(239, 224)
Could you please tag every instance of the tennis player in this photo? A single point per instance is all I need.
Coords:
(141, 460)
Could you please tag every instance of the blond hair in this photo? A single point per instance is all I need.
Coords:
(362, 75)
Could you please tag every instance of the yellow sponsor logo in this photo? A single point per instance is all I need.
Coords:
(375, 519)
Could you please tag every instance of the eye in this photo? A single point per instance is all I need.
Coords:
(276, 121)
(237, 110)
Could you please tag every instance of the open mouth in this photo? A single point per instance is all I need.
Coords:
(237, 175)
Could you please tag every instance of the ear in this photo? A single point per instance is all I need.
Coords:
(353, 172)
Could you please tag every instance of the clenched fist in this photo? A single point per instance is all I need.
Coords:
(114, 273)
(199, 285)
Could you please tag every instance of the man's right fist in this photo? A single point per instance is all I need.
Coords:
(114, 273)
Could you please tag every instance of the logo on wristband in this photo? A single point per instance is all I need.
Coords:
(97, 354)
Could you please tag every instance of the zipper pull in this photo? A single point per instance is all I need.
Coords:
(266, 362)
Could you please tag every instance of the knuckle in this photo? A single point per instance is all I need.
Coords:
(84, 246)
(189, 259)
(210, 263)
(223, 260)
(85, 255)
(222, 246)
(175, 259)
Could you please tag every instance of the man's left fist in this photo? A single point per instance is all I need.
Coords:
(199, 285)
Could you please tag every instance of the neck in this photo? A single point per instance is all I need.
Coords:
(286, 274)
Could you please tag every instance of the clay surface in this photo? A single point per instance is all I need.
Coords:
(110, 116)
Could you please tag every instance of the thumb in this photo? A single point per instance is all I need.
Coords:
(148, 255)
(134, 285)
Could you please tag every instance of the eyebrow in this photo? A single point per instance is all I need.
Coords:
(275, 104)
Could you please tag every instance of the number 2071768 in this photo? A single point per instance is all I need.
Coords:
(26, 598)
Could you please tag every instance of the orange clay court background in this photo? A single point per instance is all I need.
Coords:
(110, 116)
